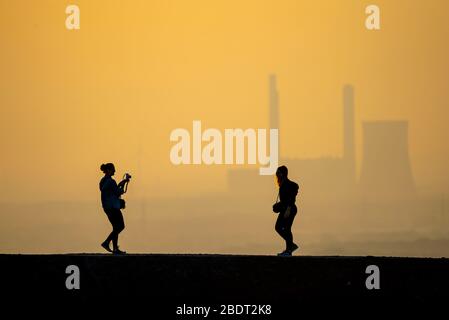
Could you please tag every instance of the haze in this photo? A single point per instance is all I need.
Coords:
(115, 89)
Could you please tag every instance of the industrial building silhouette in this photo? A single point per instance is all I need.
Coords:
(386, 164)
(385, 168)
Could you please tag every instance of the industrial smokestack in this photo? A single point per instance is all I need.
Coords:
(348, 131)
(274, 107)
(274, 102)
(386, 165)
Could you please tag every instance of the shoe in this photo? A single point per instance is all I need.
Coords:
(294, 247)
(285, 253)
(105, 245)
(118, 251)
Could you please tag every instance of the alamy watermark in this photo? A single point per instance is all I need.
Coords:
(73, 280)
(373, 280)
(220, 147)
(372, 21)
(72, 21)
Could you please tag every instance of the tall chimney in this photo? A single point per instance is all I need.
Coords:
(274, 103)
(348, 131)
(274, 107)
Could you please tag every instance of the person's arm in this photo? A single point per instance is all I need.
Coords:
(122, 184)
(287, 212)
(290, 197)
(115, 189)
(291, 194)
(110, 192)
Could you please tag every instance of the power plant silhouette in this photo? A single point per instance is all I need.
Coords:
(385, 168)
(386, 164)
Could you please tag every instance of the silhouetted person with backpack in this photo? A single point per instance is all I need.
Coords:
(111, 202)
(286, 209)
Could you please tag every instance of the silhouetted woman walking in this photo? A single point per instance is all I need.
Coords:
(110, 200)
(287, 209)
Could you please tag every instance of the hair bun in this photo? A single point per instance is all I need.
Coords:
(107, 166)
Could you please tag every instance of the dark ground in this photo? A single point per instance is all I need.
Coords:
(160, 283)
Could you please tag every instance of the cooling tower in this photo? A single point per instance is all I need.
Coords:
(386, 165)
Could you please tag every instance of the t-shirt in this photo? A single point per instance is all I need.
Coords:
(287, 194)
(110, 193)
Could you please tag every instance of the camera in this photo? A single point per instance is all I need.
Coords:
(127, 176)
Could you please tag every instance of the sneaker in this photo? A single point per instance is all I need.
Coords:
(118, 251)
(105, 245)
(285, 253)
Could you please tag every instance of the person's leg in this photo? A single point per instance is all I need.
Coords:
(288, 235)
(279, 226)
(109, 239)
(283, 228)
(111, 236)
(118, 225)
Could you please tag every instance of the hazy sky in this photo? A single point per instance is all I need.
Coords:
(114, 90)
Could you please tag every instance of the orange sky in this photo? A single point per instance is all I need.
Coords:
(115, 89)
